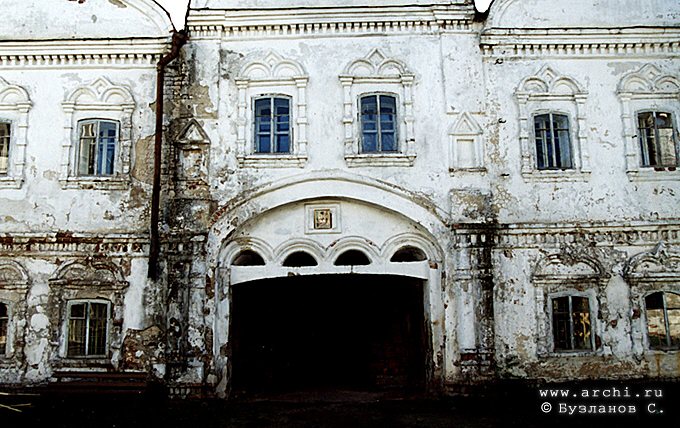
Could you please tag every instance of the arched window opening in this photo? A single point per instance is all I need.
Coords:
(300, 259)
(248, 258)
(663, 320)
(352, 258)
(409, 254)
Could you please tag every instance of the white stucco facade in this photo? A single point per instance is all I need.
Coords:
(503, 238)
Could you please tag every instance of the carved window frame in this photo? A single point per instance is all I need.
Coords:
(98, 100)
(647, 89)
(378, 74)
(588, 283)
(549, 92)
(14, 285)
(649, 272)
(15, 105)
(272, 75)
(96, 280)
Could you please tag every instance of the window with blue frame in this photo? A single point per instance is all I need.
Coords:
(272, 125)
(378, 123)
(553, 144)
(97, 148)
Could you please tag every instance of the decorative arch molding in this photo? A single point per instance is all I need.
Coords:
(13, 276)
(548, 91)
(89, 272)
(647, 88)
(567, 267)
(231, 250)
(324, 185)
(99, 99)
(335, 249)
(305, 245)
(376, 64)
(273, 67)
(421, 242)
(15, 103)
(657, 265)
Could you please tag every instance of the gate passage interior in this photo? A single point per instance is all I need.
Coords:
(328, 331)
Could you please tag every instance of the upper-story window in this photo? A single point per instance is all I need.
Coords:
(649, 100)
(272, 113)
(657, 140)
(553, 146)
(272, 125)
(378, 110)
(663, 320)
(14, 107)
(97, 147)
(4, 324)
(98, 135)
(552, 127)
(88, 329)
(378, 123)
(4, 147)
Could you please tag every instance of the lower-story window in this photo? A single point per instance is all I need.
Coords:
(663, 320)
(571, 323)
(88, 328)
(4, 323)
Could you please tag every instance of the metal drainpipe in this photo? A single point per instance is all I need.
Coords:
(179, 38)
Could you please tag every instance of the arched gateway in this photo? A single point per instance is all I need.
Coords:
(328, 282)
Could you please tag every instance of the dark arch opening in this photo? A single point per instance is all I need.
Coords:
(300, 259)
(409, 254)
(248, 258)
(352, 258)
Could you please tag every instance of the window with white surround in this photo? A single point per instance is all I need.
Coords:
(650, 102)
(378, 112)
(98, 144)
(272, 113)
(14, 283)
(88, 324)
(98, 136)
(570, 290)
(658, 147)
(552, 130)
(14, 107)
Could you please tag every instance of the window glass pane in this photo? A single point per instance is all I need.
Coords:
(86, 151)
(282, 143)
(3, 328)
(76, 337)
(77, 310)
(387, 141)
(4, 147)
(369, 106)
(263, 107)
(97, 332)
(369, 142)
(581, 322)
(282, 106)
(370, 125)
(561, 333)
(264, 144)
(541, 126)
(108, 134)
(647, 137)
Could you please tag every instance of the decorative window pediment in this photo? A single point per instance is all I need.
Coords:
(378, 74)
(548, 94)
(90, 272)
(193, 155)
(658, 265)
(14, 107)
(12, 276)
(466, 151)
(272, 77)
(101, 102)
(643, 91)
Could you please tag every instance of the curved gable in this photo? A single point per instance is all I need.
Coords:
(583, 13)
(92, 19)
